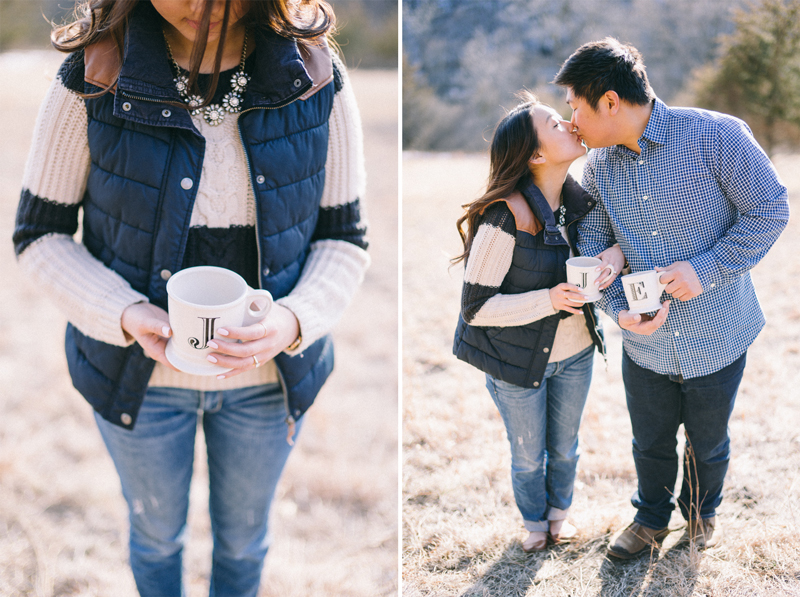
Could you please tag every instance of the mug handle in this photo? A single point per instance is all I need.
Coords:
(661, 286)
(254, 316)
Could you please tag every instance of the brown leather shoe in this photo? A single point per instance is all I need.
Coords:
(704, 533)
(635, 540)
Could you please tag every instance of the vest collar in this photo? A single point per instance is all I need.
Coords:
(577, 201)
(279, 74)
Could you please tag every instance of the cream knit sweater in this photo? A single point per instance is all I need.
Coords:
(93, 297)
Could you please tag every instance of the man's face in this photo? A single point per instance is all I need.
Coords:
(594, 127)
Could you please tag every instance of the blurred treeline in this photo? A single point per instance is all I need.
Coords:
(367, 29)
(464, 60)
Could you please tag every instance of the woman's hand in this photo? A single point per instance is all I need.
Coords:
(567, 297)
(613, 261)
(149, 326)
(263, 340)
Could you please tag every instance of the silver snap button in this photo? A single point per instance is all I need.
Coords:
(546, 349)
(187, 184)
(677, 333)
(655, 233)
(297, 82)
(126, 106)
(266, 271)
(536, 384)
(125, 418)
(260, 179)
(166, 274)
(166, 113)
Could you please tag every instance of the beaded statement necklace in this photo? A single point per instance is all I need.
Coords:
(213, 114)
(561, 213)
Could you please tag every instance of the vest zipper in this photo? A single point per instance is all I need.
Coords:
(290, 420)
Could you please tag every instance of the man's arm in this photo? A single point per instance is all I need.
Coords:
(749, 181)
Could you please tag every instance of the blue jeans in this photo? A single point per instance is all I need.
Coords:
(246, 437)
(542, 428)
(658, 404)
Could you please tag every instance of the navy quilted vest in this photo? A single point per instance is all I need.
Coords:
(146, 160)
(519, 354)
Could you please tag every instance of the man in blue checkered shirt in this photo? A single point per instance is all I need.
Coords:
(691, 194)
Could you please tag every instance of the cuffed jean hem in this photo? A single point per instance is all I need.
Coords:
(537, 525)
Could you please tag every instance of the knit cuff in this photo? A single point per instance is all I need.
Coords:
(332, 273)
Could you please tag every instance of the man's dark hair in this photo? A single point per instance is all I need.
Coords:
(606, 65)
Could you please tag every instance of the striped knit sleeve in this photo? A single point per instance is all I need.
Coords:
(489, 261)
(338, 259)
(91, 296)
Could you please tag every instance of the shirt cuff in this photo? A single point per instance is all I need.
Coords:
(705, 267)
(613, 301)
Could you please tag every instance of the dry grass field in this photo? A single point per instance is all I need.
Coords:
(461, 531)
(63, 523)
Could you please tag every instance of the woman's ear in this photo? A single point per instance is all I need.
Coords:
(537, 159)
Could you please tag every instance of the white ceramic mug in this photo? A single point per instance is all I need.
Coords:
(582, 271)
(643, 291)
(202, 300)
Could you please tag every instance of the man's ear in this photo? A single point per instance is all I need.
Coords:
(611, 100)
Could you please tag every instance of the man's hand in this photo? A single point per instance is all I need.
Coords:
(643, 324)
(681, 280)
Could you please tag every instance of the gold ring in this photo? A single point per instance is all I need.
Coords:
(255, 360)
(266, 331)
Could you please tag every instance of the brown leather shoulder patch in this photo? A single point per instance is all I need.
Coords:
(317, 59)
(523, 215)
(101, 63)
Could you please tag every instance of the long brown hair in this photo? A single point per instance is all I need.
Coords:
(96, 20)
(514, 143)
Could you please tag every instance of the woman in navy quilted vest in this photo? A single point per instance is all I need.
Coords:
(521, 323)
(185, 133)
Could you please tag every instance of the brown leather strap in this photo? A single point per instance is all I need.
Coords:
(101, 64)
(317, 59)
(523, 215)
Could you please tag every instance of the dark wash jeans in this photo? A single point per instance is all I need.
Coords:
(657, 405)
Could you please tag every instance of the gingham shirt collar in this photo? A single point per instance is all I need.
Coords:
(654, 132)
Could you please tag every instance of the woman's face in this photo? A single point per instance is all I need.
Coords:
(186, 15)
(559, 145)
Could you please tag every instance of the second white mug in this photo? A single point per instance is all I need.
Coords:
(643, 291)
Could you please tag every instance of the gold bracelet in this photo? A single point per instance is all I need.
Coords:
(297, 342)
